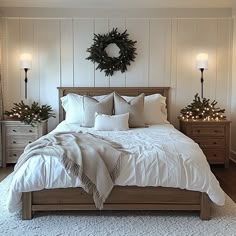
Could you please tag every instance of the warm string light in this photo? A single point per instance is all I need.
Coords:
(202, 109)
(30, 114)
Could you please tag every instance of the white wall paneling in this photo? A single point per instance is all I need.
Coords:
(12, 89)
(160, 52)
(223, 64)
(185, 66)
(69, 12)
(67, 52)
(101, 27)
(83, 38)
(138, 73)
(173, 113)
(1, 73)
(48, 34)
(233, 89)
(166, 50)
(206, 39)
(203, 35)
(26, 37)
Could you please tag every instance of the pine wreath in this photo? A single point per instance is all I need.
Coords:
(111, 64)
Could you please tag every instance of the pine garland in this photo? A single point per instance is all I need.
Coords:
(111, 64)
(202, 109)
(30, 114)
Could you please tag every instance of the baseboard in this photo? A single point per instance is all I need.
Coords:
(233, 156)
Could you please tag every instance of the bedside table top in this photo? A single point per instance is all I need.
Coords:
(205, 121)
(18, 122)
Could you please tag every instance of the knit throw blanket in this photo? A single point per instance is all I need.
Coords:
(96, 161)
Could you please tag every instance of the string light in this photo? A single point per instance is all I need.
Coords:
(202, 109)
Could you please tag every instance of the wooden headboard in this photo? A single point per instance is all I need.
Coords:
(128, 91)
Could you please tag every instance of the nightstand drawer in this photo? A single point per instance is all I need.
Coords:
(212, 136)
(210, 142)
(208, 130)
(215, 156)
(13, 155)
(19, 130)
(16, 135)
(19, 141)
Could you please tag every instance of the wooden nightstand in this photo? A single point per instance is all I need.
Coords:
(212, 136)
(16, 135)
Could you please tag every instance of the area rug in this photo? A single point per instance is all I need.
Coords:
(115, 223)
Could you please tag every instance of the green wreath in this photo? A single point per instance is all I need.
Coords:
(112, 64)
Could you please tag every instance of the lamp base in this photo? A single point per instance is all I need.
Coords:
(202, 70)
(26, 80)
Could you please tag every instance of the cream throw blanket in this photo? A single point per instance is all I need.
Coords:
(97, 162)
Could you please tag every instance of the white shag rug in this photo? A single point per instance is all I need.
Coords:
(115, 223)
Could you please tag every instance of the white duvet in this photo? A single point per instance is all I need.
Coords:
(161, 156)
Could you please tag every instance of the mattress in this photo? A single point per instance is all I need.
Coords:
(160, 155)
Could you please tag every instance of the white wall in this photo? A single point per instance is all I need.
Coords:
(233, 96)
(166, 49)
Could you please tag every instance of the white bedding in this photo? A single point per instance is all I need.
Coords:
(161, 156)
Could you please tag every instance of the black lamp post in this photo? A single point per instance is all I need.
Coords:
(202, 80)
(25, 63)
(202, 64)
(26, 81)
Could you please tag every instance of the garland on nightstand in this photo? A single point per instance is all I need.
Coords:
(202, 109)
(30, 114)
(99, 55)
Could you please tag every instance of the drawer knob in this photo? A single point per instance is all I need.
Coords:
(30, 131)
(198, 130)
(14, 141)
(216, 131)
(14, 130)
(14, 155)
(214, 142)
(214, 155)
(30, 141)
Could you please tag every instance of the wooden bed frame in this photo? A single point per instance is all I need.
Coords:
(121, 198)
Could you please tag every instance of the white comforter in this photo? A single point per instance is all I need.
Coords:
(161, 156)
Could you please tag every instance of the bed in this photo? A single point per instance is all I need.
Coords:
(121, 197)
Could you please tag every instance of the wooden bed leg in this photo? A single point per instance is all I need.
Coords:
(26, 206)
(205, 207)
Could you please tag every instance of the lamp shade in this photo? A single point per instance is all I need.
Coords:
(202, 61)
(25, 61)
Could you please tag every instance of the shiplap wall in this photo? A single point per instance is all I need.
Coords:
(233, 95)
(166, 50)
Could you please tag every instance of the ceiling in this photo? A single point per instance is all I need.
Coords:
(118, 3)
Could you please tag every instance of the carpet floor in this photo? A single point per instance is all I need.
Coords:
(115, 223)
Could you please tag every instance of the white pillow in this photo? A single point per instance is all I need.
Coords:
(73, 106)
(155, 111)
(115, 122)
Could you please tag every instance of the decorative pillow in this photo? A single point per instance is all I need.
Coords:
(135, 108)
(73, 106)
(115, 122)
(155, 111)
(92, 105)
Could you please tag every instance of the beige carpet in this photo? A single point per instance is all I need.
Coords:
(223, 222)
